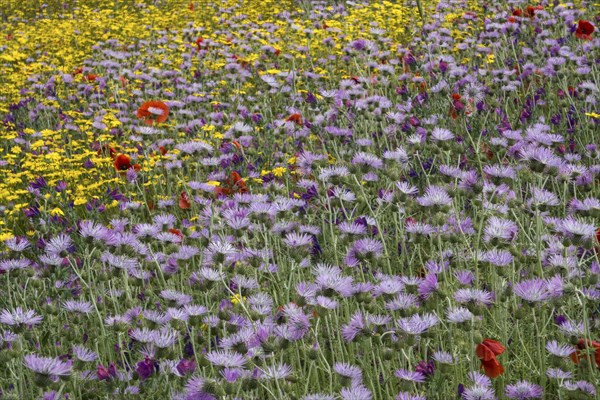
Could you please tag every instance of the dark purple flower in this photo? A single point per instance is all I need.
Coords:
(106, 374)
(186, 366)
(145, 369)
(426, 368)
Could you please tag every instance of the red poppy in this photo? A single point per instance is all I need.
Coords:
(191, 6)
(184, 201)
(106, 151)
(580, 351)
(530, 10)
(123, 163)
(176, 232)
(511, 19)
(199, 42)
(153, 111)
(90, 77)
(455, 96)
(485, 149)
(584, 30)
(78, 71)
(297, 118)
(517, 12)
(163, 150)
(233, 184)
(487, 351)
(598, 235)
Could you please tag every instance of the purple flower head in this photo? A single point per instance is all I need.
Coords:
(411, 376)
(185, 367)
(19, 317)
(348, 371)
(145, 369)
(524, 390)
(49, 367)
(105, 374)
(426, 368)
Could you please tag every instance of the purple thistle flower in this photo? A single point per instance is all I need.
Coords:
(523, 390)
(351, 330)
(83, 354)
(500, 229)
(428, 286)
(435, 196)
(411, 376)
(228, 359)
(20, 318)
(459, 315)
(50, 367)
(417, 324)
(559, 350)
(277, 371)
(410, 396)
(363, 249)
(584, 386)
(471, 295)
(356, 392)
(532, 290)
(348, 371)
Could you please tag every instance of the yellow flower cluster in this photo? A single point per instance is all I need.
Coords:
(46, 41)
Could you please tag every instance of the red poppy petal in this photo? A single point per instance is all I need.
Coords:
(492, 369)
(494, 345)
(484, 353)
(184, 202)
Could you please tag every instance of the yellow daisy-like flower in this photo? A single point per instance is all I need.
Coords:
(5, 236)
(237, 298)
(279, 171)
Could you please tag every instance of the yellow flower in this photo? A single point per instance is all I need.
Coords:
(279, 171)
(5, 236)
(214, 183)
(57, 211)
(490, 59)
(593, 115)
(237, 298)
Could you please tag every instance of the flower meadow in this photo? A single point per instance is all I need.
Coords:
(307, 200)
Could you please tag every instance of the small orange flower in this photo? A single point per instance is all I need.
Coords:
(296, 118)
(153, 112)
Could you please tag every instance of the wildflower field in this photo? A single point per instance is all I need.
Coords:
(304, 200)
